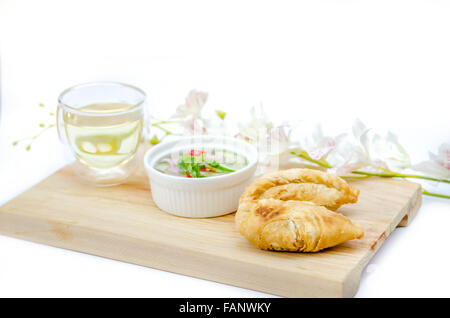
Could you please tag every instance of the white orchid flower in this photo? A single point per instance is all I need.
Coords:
(273, 142)
(381, 151)
(361, 133)
(277, 140)
(322, 145)
(347, 157)
(193, 126)
(388, 149)
(257, 127)
(316, 147)
(192, 106)
(273, 149)
(437, 166)
(216, 126)
(189, 113)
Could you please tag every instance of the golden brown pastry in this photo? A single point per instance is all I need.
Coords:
(290, 211)
(310, 185)
(273, 224)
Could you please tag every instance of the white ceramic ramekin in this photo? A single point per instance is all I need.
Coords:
(199, 197)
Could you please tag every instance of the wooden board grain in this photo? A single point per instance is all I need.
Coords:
(123, 223)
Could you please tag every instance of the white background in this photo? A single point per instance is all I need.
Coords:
(385, 62)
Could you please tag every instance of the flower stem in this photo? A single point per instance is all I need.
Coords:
(39, 134)
(436, 194)
(157, 125)
(305, 155)
(33, 138)
(366, 174)
(355, 177)
(376, 174)
(392, 174)
(166, 122)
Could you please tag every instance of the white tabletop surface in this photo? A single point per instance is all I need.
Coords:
(384, 62)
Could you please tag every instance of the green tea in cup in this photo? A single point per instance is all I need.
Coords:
(101, 123)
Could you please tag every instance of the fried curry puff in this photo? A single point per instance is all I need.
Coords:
(293, 210)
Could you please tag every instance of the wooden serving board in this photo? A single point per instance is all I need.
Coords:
(123, 223)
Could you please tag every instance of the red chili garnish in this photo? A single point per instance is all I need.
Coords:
(207, 169)
(195, 153)
(188, 175)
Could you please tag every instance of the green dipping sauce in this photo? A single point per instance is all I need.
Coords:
(195, 163)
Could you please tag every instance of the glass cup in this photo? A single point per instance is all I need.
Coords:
(101, 123)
